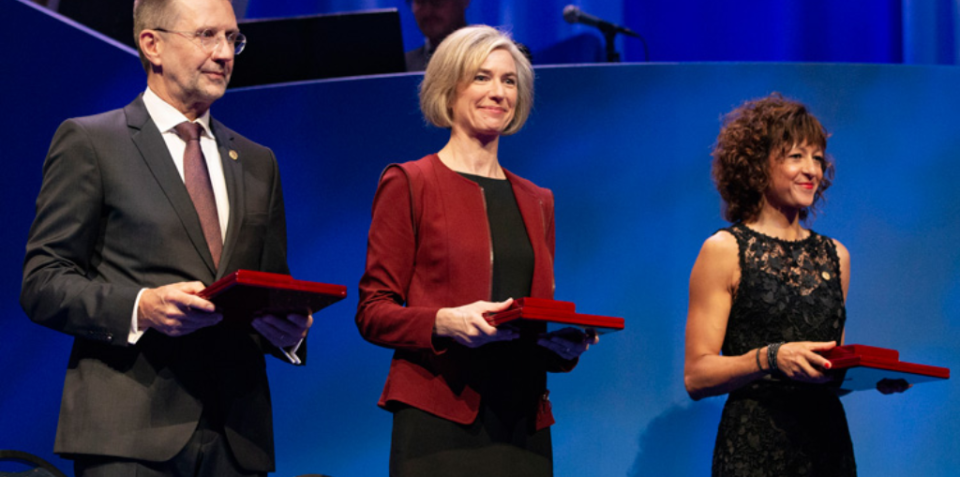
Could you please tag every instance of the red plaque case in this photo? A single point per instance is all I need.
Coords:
(862, 367)
(558, 315)
(245, 293)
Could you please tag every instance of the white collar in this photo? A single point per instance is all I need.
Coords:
(166, 117)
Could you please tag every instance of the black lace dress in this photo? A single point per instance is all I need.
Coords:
(788, 291)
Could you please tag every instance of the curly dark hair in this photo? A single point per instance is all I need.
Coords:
(748, 137)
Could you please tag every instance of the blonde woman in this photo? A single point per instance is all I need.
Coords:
(454, 236)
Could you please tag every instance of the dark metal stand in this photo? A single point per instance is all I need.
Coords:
(610, 35)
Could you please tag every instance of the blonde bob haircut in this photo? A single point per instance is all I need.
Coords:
(456, 60)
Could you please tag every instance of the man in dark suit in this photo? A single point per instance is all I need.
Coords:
(436, 19)
(139, 210)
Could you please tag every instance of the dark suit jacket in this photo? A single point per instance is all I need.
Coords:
(114, 216)
(417, 59)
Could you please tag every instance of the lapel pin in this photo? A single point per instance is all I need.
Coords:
(234, 155)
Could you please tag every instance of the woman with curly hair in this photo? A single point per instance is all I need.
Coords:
(767, 298)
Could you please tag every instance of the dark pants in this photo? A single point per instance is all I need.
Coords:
(207, 453)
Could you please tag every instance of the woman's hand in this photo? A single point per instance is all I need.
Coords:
(891, 386)
(568, 345)
(801, 361)
(467, 325)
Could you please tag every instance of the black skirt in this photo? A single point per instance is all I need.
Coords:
(492, 446)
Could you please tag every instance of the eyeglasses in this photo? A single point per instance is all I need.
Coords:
(210, 39)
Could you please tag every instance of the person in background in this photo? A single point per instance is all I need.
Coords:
(455, 236)
(140, 208)
(767, 297)
(436, 19)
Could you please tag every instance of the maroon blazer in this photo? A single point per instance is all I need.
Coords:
(429, 247)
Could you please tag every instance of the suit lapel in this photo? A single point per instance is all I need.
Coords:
(153, 149)
(233, 176)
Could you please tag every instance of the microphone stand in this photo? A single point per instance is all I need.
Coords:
(610, 35)
(572, 14)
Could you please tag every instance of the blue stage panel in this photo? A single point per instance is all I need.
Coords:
(626, 151)
(50, 69)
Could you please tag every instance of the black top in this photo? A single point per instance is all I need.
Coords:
(788, 291)
(512, 252)
(508, 374)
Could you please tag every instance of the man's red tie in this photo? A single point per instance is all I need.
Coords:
(197, 179)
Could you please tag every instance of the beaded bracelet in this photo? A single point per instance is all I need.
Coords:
(772, 350)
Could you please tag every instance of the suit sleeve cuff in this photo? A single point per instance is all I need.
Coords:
(135, 332)
(291, 353)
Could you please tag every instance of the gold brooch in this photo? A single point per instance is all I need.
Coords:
(234, 155)
(825, 275)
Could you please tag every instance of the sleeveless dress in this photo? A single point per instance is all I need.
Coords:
(788, 291)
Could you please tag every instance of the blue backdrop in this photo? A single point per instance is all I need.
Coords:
(872, 31)
(626, 151)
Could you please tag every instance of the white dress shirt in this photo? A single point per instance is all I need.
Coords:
(166, 117)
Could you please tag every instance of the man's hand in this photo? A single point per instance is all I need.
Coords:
(283, 332)
(175, 309)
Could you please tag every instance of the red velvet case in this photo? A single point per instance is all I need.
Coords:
(862, 367)
(245, 293)
(558, 315)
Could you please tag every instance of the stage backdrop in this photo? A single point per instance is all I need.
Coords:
(626, 151)
(876, 31)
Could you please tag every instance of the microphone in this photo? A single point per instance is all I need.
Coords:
(572, 14)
